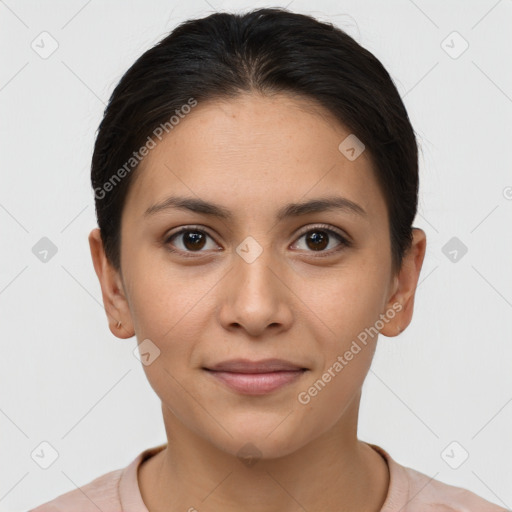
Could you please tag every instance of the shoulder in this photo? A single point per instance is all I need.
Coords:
(99, 494)
(430, 494)
(413, 491)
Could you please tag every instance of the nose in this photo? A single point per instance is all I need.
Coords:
(256, 296)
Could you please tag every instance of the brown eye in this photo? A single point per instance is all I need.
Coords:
(193, 240)
(319, 238)
(188, 240)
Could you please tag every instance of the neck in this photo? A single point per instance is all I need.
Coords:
(335, 471)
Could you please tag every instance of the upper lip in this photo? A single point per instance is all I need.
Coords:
(261, 366)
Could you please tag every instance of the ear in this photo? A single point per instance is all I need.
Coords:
(112, 289)
(401, 300)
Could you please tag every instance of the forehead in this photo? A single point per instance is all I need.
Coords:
(252, 153)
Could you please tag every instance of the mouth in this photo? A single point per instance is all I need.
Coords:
(256, 377)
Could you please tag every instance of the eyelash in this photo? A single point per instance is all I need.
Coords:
(345, 243)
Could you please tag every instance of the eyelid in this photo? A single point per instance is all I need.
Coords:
(326, 227)
(188, 227)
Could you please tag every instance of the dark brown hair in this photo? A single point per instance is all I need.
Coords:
(268, 50)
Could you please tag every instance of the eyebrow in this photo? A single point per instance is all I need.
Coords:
(290, 210)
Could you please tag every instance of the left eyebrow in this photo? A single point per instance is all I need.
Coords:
(321, 205)
(290, 210)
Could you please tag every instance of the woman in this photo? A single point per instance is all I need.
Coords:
(256, 181)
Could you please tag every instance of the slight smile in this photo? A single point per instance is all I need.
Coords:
(256, 377)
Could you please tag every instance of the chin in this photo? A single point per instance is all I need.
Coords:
(261, 439)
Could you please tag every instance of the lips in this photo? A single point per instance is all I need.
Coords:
(256, 377)
(262, 366)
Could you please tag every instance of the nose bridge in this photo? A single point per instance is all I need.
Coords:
(255, 268)
(255, 296)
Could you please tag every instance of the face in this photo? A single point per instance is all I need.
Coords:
(264, 281)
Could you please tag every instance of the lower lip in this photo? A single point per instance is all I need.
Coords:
(256, 383)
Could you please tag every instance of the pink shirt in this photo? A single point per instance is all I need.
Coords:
(409, 491)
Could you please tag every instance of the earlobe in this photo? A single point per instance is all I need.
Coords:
(405, 286)
(114, 300)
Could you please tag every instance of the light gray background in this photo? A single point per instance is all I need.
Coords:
(66, 380)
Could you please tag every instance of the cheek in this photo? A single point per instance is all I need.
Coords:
(345, 341)
(345, 303)
(172, 318)
(170, 306)
(332, 391)
(162, 296)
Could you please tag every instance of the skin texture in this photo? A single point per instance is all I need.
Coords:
(252, 155)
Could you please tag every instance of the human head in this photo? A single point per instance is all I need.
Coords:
(271, 95)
